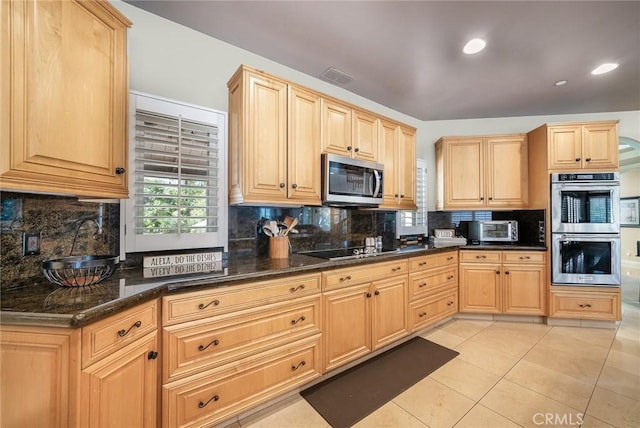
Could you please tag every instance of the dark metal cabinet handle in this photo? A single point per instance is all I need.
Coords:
(152, 355)
(482, 198)
(423, 314)
(213, 302)
(450, 277)
(450, 258)
(282, 185)
(357, 150)
(588, 159)
(123, 332)
(450, 303)
(422, 263)
(481, 257)
(214, 398)
(377, 293)
(300, 364)
(294, 186)
(424, 284)
(214, 342)
(120, 170)
(506, 273)
(346, 278)
(585, 305)
(395, 269)
(491, 198)
(368, 295)
(497, 272)
(524, 257)
(577, 159)
(402, 195)
(299, 287)
(294, 322)
(349, 148)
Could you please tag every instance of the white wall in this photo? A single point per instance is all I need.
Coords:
(173, 61)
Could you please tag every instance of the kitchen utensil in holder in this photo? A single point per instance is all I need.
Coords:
(279, 247)
(79, 271)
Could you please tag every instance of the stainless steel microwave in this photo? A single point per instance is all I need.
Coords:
(493, 231)
(351, 182)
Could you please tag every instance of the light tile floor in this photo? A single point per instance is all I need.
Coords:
(509, 374)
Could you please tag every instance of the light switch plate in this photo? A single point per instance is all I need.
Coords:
(31, 243)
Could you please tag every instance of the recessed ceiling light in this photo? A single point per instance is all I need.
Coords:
(560, 83)
(604, 68)
(474, 46)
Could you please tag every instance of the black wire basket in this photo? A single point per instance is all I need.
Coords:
(79, 271)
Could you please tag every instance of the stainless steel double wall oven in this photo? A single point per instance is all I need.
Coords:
(585, 228)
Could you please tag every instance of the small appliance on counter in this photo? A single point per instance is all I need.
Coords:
(493, 231)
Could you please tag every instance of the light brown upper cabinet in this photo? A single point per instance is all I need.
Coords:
(397, 150)
(482, 172)
(349, 132)
(589, 146)
(63, 117)
(274, 141)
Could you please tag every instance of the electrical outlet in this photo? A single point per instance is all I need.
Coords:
(31, 243)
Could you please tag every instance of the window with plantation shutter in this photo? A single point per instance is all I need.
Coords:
(415, 222)
(177, 176)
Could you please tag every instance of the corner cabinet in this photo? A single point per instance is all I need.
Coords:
(397, 148)
(274, 141)
(64, 74)
(482, 172)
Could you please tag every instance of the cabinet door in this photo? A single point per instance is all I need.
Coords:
(389, 311)
(303, 147)
(122, 390)
(335, 134)
(464, 173)
(347, 325)
(365, 136)
(406, 162)
(37, 377)
(480, 288)
(265, 157)
(524, 289)
(600, 146)
(388, 154)
(565, 147)
(64, 126)
(507, 172)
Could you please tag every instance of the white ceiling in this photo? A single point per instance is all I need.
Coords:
(407, 55)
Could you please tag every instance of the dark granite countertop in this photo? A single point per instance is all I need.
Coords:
(39, 302)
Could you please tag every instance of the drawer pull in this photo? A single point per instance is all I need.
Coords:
(422, 263)
(397, 268)
(450, 303)
(299, 287)
(450, 258)
(214, 398)
(213, 302)
(215, 342)
(123, 332)
(423, 314)
(450, 277)
(524, 257)
(346, 278)
(300, 364)
(294, 322)
(424, 284)
(481, 257)
(585, 305)
(152, 355)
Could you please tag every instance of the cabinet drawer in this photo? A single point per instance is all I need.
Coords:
(521, 257)
(355, 275)
(104, 337)
(585, 304)
(433, 261)
(480, 256)
(218, 394)
(430, 310)
(208, 303)
(197, 345)
(427, 283)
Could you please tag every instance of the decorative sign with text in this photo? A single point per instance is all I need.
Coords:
(181, 264)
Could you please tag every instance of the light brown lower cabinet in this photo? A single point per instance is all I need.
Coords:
(361, 312)
(57, 381)
(598, 303)
(503, 282)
